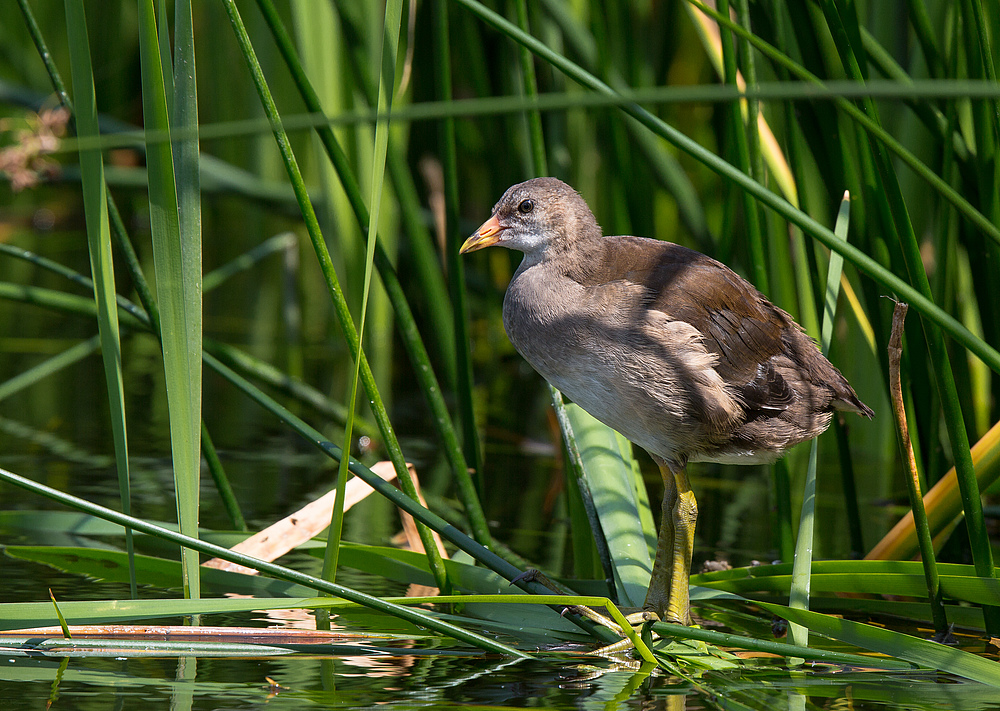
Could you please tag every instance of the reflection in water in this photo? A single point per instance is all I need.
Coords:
(427, 678)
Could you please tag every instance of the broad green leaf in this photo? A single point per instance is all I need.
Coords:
(177, 258)
(619, 496)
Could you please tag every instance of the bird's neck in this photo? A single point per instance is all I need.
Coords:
(586, 254)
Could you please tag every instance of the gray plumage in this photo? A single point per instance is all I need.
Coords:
(666, 345)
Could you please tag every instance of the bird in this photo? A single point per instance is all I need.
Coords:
(666, 345)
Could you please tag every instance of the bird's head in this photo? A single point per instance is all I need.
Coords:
(534, 216)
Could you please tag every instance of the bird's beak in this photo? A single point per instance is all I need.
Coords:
(485, 236)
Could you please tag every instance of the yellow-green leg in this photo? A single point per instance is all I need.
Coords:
(668, 585)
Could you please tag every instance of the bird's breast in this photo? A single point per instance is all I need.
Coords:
(543, 320)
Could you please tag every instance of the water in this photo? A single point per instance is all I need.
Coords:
(417, 680)
(415, 674)
(60, 436)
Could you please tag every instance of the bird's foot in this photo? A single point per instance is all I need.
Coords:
(642, 616)
(536, 576)
(636, 619)
(532, 575)
(529, 576)
(619, 647)
(594, 616)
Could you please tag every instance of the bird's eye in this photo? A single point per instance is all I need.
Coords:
(525, 206)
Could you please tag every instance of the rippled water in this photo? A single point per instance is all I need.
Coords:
(400, 680)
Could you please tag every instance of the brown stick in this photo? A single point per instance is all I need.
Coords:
(913, 482)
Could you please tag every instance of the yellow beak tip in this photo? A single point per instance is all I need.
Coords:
(487, 235)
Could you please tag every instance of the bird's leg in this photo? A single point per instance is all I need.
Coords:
(685, 516)
(658, 595)
(668, 585)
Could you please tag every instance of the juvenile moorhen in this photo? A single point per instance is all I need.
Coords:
(664, 344)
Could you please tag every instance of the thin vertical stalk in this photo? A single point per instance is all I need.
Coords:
(184, 119)
(985, 55)
(802, 565)
(387, 62)
(738, 132)
(940, 362)
(749, 68)
(800, 253)
(101, 261)
(834, 271)
(124, 246)
(121, 241)
(943, 238)
(332, 282)
(536, 141)
(424, 253)
(166, 65)
(784, 535)
(183, 87)
(45, 55)
(222, 484)
(453, 240)
(849, 485)
(798, 594)
(973, 34)
(921, 23)
(390, 281)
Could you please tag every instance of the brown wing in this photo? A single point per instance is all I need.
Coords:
(738, 324)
